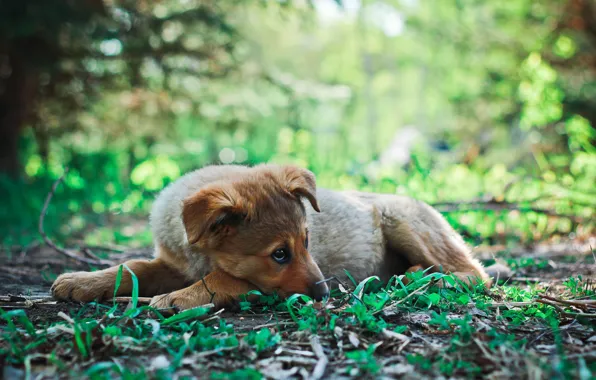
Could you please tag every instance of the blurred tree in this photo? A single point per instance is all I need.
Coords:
(56, 55)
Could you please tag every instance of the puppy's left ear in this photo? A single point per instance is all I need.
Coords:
(211, 214)
(301, 182)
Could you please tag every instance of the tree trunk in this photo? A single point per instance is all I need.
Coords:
(18, 87)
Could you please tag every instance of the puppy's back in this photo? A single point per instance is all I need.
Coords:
(165, 219)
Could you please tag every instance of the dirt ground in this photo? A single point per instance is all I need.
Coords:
(26, 276)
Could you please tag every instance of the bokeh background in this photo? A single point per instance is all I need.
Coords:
(484, 108)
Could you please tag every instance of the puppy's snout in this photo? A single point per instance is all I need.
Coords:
(319, 290)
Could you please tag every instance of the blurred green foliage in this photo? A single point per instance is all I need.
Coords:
(500, 93)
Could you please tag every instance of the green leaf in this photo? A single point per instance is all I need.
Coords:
(100, 367)
(80, 344)
(292, 300)
(360, 288)
(463, 299)
(350, 277)
(118, 282)
(187, 315)
(21, 316)
(434, 298)
(135, 289)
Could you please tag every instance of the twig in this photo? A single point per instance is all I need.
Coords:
(141, 300)
(287, 359)
(111, 248)
(578, 303)
(388, 334)
(211, 317)
(203, 354)
(566, 313)
(497, 305)
(212, 294)
(321, 365)
(90, 254)
(274, 324)
(293, 352)
(49, 242)
(526, 279)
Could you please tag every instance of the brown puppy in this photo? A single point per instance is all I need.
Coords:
(222, 231)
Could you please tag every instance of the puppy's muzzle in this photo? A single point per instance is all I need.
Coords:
(319, 290)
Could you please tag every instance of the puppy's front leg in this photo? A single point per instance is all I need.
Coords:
(221, 289)
(154, 277)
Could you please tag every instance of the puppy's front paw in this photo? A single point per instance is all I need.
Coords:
(179, 300)
(81, 286)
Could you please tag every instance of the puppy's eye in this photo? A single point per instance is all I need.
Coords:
(281, 256)
(306, 242)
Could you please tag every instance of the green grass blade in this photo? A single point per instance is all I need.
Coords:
(135, 288)
(360, 288)
(292, 300)
(118, 282)
(80, 344)
(187, 315)
(350, 277)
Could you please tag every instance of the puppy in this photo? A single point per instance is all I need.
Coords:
(222, 231)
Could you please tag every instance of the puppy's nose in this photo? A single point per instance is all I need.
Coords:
(319, 290)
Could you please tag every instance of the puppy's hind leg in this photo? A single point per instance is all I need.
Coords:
(425, 239)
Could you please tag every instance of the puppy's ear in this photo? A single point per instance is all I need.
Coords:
(211, 214)
(301, 182)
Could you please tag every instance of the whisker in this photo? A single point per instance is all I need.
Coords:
(327, 280)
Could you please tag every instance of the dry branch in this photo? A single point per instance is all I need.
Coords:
(556, 304)
(582, 304)
(140, 300)
(50, 243)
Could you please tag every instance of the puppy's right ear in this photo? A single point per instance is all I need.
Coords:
(301, 182)
(211, 214)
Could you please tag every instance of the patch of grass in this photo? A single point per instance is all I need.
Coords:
(458, 330)
(527, 263)
(580, 287)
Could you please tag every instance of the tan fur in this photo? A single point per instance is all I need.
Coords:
(219, 225)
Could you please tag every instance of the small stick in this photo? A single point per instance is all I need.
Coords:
(204, 354)
(578, 303)
(49, 242)
(497, 305)
(110, 248)
(90, 254)
(321, 365)
(141, 300)
(274, 324)
(212, 294)
(526, 279)
(566, 313)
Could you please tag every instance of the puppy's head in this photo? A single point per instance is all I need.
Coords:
(254, 228)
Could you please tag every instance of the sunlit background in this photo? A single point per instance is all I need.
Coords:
(451, 101)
